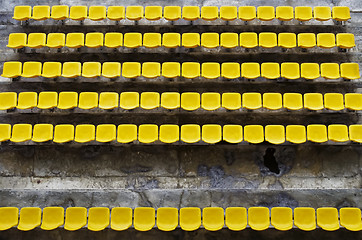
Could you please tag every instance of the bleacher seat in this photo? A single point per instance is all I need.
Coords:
(52, 69)
(327, 218)
(151, 69)
(209, 13)
(350, 71)
(12, 69)
(355, 133)
(236, 218)
(68, 100)
(248, 40)
(317, 133)
(190, 218)
(111, 69)
(287, 40)
(171, 69)
(211, 133)
(247, 13)
(36, 40)
(149, 100)
(229, 40)
(191, 40)
(190, 133)
(172, 13)
(88, 100)
(113, 40)
(8, 100)
(338, 133)
(250, 70)
(232, 133)
(97, 13)
(167, 218)
(94, 40)
(116, 13)
(295, 134)
(75, 218)
(63, 133)
(8, 217)
(42, 132)
(326, 40)
(270, 70)
(345, 40)
(330, 70)
(84, 133)
(303, 13)
(126, 133)
(71, 69)
(254, 134)
(27, 100)
(266, 13)
(275, 134)
(282, 218)
(131, 100)
(210, 101)
(228, 13)
(313, 101)
(230, 70)
(152, 40)
(41, 12)
(190, 69)
(284, 13)
(170, 100)
(22, 13)
(91, 69)
(213, 218)
(17, 40)
(30, 218)
(47, 100)
(121, 218)
(169, 133)
(53, 217)
(258, 218)
(251, 101)
(304, 218)
(98, 218)
(78, 13)
(333, 101)
(134, 12)
(171, 40)
(60, 12)
(108, 100)
(190, 13)
(132, 40)
(322, 13)
(210, 40)
(290, 70)
(350, 218)
(272, 101)
(55, 40)
(353, 101)
(310, 70)
(231, 101)
(292, 101)
(153, 13)
(144, 218)
(106, 133)
(147, 133)
(307, 40)
(75, 40)
(341, 13)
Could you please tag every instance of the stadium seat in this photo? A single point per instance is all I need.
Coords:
(355, 133)
(248, 39)
(353, 101)
(91, 69)
(338, 133)
(290, 70)
(295, 134)
(30, 218)
(210, 40)
(350, 218)
(152, 40)
(272, 101)
(97, 13)
(317, 133)
(232, 133)
(41, 12)
(282, 218)
(132, 40)
(108, 100)
(210, 70)
(171, 40)
(330, 70)
(153, 12)
(113, 40)
(170, 100)
(149, 100)
(22, 13)
(327, 218)
(47, 100)
(333, 101)
(229, 40)
(306, 40)
(151, 69)
(210, 101)
(304, 218)
(75, 40)
(98, 218)
(284, 13)
(88, 100)
(52, 69)
(236, 218)
(63, 133)
(131, 100)
(287, 40)
(345, 40)
(251, 100)
(94, 40)
(12, 69)
(322, 13)
(313, 101)
(211, 133)
(190, 218)
(171, 69)
(230, 70)
(131, 69)
(121, 218)
(190, 40)
(55, 40)
(213, 218)
(350, 71)
(258, 218)
(111, 69)
(267, 40)
(231, 101)
(209, 13)
(341, 13)
(31, 69)
(17, 40)
(310, 70)
(190, 70)
(5, 134)
(144, 218)
(126, 133)
(270, 70)
(190, 13)
(172, 13)
(147, 133)
(53, 217)
(190, 101)
(116, 13)
(134, 13)
(190, 133)
(106, 133)
(275, 134)
(36, 40)
(254, 134)
(59, 12)
(78, 13)
(8, 100)
(42, 133)
(247, 13)
(326, 40)
(67, 100)
(21, 132)
(266, 13)
(27, 100)
(71, 69)
(8, 217)
(303, 13)
(84, 133)
(167, 218)
(228, 13)
(169, 133)
(250, 70)
(75, 218)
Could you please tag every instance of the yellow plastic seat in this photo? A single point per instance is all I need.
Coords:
(91, 69)
(75, 218)
(353, 101)
(228, 13)
(210, 70)
(134, 12)
(52, 69)
(350, 218)
(63, 133)
(71, 69)
(341, 13)
(282, 218)
(169, 133)
(190, 101)
(229, 40)
(247, 13)
(106, 133)
(22, 13)
(113, 40)
(53, 217)
(290, 70)
(304, 218)
(88, 100)
(17, 40)
(210, 101)
(303, 13)
(30, 218)
(296, 134)
(254, 134)
(167, 218)
(284, 13)
(350, 71)
(190, 133)
(231, 101)
(41, 12)
(172, 13)
(338, 133)
(251, 100)
(151, 69)
(111, 69)
(126, 133)
(287, 40)
(150, 100)
(94, 40)
(108, 100)
(330, 70)
(121, 218)
(236, 218)
(78, 13)
(60, 12)
(116, 13)
(12, 69)
(213, 218)
(248, 39)
(266, 13)
(211, 133)
(98, 218)
(310, 70)
(147, 133)
(275, 134)
(326, 40)
(345, 40)
(333, 101)
(152, 40)
(307, 40)
(258, 218)
(209, 13)
(171, 40)
(97, 13)
(75, 40)
(131, 69)
(210, 40)
(171, 69)
(55, 40)
(232, 133)
(132, 40)
(85, 133)
(190, 218)
(36, 40)
(190, 13)
(272, 101)
(250, 70)
(153, 12)
(191, 40)
(8, 217)
(191, 69)
(270, 70)
(31, 69)
(144, 218)
(327, 218)
(42, 133)
(21, 132)
(170, 100)
(131, 100)
(27, 100)
(8, 100)
(5, 134)
(355, 133)
(313, 101)
(322, 13)
(317, 133)
(230, 70)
